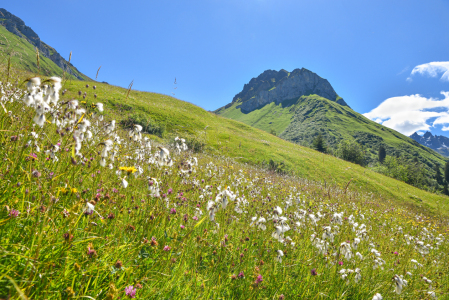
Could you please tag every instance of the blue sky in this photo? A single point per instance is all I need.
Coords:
(366, 49)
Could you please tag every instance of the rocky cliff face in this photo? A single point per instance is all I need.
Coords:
(274, 86)
(439, 143)
(16, 26)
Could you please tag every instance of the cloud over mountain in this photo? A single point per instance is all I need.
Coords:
(411, 113)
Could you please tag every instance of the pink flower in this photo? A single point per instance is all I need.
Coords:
(182, 227)
(167, 248)
(173, 211)
(340, 263)
(259, 279)
(195, 218)
(14, 213)
(130, 291)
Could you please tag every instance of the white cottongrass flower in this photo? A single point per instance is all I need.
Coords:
(377, 297)
(345, 249)
(358, 275)
(278, 258)
(277, 211)
(400, 283)
(99, 106)
(33, 83)
(124, 182)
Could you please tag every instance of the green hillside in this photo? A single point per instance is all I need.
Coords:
(222, 136)
(300, 120)
(23, 56)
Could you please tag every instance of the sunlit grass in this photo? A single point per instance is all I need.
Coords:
(53, 246)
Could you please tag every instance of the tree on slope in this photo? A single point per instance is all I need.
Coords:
(319, 143)
(382, 154)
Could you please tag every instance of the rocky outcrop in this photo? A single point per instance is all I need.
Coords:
(16, 26)
(274, 86)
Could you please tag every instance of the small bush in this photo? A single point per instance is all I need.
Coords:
(351, 151)
(148, 126)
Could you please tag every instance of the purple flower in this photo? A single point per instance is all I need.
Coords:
(173, 211)
(340, 263)
(130, 291)
(167, 248)
(241, 275)
(170, 191)
(195, 218)
(114, 190)
(395, 252)
(313, 272)
(259, 279)
(14, 213)
(182, 227)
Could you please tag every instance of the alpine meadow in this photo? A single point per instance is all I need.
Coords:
(113, 193)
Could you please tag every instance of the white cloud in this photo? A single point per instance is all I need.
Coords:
(433, 69)
(408, 114)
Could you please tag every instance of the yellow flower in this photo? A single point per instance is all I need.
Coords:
(128, 169)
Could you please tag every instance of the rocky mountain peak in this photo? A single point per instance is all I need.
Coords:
(439, 143)
(278, 86)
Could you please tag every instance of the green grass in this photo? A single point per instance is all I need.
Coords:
(248, 144)
(23, 56)
(53, 250)
(300, 120)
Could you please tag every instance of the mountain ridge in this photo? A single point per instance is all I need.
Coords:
(17, 26)
(438, 143)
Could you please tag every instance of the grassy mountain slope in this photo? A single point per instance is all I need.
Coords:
(23, 56)
(300, 120)
(226, 137)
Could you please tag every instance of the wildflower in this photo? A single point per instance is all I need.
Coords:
(99, 106)
(124, 182)
(377, 297)
(89, 209)
(68, 237)
(281, 297)
(167, 248)
(91, 251)
(345, 249)
(400, 283)
(340, 263)
(154, 242)
(241, 275)
(14, 213)
(259, 279)
(182, 227)
(128, 169)
(118, 264)
(313, 272)
(358, 276)
(279, 257)
(130, 291)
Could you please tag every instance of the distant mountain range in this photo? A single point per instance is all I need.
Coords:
(23, 52)
(439, 143)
